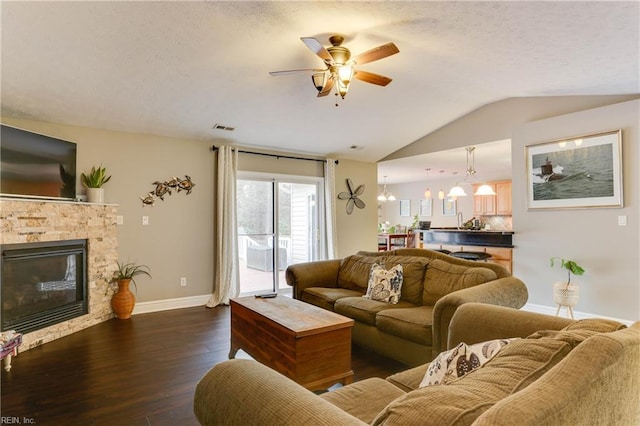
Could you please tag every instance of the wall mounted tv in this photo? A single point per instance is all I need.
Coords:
(36, 166)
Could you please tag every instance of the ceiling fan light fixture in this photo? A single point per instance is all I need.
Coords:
(319, 80)
(485, 189)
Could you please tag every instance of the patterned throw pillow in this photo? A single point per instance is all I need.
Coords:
(384, 285)
(460, 360)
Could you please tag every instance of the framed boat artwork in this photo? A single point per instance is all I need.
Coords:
(578, 172)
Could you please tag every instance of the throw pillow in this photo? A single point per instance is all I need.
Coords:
(457, 362)
(384, 286)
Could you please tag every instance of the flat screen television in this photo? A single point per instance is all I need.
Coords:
(36, 166)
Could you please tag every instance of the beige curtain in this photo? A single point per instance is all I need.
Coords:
(330, 208)
(226, 279)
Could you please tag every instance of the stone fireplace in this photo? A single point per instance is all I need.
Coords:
(29, 224)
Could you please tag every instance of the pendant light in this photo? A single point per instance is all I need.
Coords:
(485, 189)
(427, 192)
(386, 195)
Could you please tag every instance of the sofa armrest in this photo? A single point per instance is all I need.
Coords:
(323, 273)
(508, 291)
(478, 322)
(244, 392)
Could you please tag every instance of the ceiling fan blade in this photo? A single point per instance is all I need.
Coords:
(377, 53)
(369, 77)
(327, 88)
(287, 72)
(316, 47)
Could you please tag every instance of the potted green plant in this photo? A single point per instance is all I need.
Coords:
(565, 293)
(123, 300)
(93, 182)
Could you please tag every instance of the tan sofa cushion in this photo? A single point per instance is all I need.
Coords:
(443, 278)
(326, 297)
(354, 271)
(462, 401)
(414, 324)
(364, 310)
(410, 379)
(413, 270)
(364, 399)
(515, 367)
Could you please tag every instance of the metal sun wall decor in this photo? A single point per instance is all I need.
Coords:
(352, 196)
(163, 188)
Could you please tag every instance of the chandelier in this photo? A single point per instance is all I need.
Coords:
(386, 195)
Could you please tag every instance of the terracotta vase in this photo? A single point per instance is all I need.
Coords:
(123, 301)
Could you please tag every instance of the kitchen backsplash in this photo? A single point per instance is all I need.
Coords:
(498, 223)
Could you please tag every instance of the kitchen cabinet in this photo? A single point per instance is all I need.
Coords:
(503, 198)
(499, 204)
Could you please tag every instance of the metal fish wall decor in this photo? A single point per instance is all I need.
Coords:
(164, 188)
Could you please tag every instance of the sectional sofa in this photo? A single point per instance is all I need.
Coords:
(434, 285)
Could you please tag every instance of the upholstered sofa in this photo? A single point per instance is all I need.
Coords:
(434, 285)
(585, 374)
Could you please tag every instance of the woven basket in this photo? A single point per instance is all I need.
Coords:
(565, 294)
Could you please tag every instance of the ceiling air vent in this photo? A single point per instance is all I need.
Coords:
(223, 127)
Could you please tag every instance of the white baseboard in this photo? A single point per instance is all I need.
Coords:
(167, 304)
(551, 310)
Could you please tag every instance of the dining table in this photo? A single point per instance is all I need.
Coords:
(390, 240)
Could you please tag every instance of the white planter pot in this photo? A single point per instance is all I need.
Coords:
(565, 294)
(95, 195)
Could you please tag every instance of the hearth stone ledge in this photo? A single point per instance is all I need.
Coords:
(26, 221)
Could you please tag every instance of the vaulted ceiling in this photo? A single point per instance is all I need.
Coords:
(178, 68)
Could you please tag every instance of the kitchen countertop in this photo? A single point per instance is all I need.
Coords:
(455, 236)
(475, 231)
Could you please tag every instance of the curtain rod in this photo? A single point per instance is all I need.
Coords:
(215, 148)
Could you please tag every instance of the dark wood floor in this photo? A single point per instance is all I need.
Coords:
(141, 371)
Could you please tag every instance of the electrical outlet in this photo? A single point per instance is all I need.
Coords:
(622, 220)
(145, 220)
(183, 282)
(119, 220)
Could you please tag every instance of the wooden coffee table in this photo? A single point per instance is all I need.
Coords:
(310, 345)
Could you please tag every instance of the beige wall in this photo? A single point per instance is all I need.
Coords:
(178, 241)
(609, 253)
(358, 230)
(495, 121)
(414, 192)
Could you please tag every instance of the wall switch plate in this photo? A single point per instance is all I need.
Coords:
(145, 220)
(183, 282)
(119, 220)
(622, 220)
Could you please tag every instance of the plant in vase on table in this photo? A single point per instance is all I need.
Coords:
(93, 182)
(565, 293)
(123, 300)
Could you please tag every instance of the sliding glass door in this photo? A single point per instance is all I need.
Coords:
(278, 225)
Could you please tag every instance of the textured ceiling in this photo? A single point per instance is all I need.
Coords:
(177, 68)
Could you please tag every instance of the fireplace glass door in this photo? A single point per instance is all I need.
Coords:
(42, 284)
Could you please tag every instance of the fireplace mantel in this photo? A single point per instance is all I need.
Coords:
(26, 221)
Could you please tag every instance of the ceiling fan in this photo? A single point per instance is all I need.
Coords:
(340, 68)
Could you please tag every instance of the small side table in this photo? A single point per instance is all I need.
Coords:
(9, 343)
